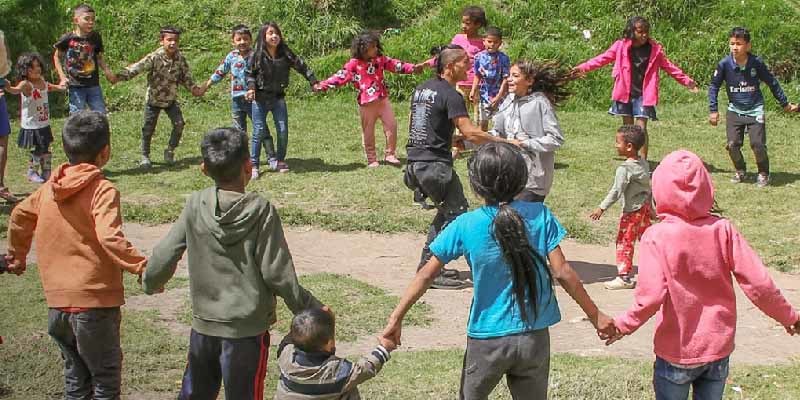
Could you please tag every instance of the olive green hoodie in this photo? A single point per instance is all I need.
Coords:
(238, 262)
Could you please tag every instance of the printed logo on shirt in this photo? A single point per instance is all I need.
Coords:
(80, 59)
(421, 103)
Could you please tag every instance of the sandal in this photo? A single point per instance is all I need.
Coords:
(6, 195)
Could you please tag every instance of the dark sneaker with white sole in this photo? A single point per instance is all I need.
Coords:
(444, 283)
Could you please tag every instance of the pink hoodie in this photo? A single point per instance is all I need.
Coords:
(686, 265)
(620, 54)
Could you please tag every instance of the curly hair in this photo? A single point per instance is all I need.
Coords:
(633, 134)
(548, 77)
(358, 49)
(630, 27)
(25, 63)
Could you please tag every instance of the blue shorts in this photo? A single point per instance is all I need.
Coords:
(634, 109)
(5, 124)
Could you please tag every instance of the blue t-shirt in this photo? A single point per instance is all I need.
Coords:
(492, 68)
(494, 311)
(236, 65)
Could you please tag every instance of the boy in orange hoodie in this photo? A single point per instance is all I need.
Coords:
(75, 220)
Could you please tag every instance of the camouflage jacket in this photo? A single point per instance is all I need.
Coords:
(163, 76)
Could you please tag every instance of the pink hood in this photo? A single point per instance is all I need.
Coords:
(682, 187)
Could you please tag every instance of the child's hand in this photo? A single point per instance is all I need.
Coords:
(793, 329)
(472, 96)
(419, 67)
(575, 73)
(597, 213)
(250, 95)
(27, 88)
(198, 91)
(605, 326)
(387, 343)
(694, 88)
(713, 118)
(317, 87)
(15, 266)
(790, 107)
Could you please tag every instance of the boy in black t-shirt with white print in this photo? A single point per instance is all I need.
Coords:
(77, 57)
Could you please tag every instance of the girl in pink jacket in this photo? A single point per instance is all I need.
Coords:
(365, 71)
(691, 291)
(637, 60)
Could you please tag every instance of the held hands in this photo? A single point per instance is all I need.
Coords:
(198, 90)
(713, 118)
(791, 107)
(392, 332)
(387, 343)
(472, 96)
(420, 67)
(793, 329)
(606, 330)
(597, 213)
(575, 73)
(250, 95)
(14, 265)
(694, 88)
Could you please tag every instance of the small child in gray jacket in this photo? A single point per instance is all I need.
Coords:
(310, 370)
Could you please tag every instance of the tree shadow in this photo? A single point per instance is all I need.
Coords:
(303, 165)
(593, 273)
(156, 169)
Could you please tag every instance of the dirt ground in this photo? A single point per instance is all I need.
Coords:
(389, 262)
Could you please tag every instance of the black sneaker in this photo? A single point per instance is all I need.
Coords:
(444, 283)
(449, 273)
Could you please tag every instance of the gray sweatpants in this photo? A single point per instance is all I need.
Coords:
(524, 359)
(89, 343)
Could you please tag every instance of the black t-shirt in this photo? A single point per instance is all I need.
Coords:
(80, 58)
(640, 57)
(434, 104)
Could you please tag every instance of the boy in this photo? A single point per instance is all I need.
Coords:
(311, 371)
(235, 63)
(75, 220)
(166, 68)
(491, 69)
(632, 185)
(238, 262)
(741, 73)
(81, 52)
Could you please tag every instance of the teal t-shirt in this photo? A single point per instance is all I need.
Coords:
(494, 312)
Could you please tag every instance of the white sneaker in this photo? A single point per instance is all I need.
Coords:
(620, 283)
(254, 174)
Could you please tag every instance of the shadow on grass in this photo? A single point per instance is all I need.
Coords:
(157, 168)
(593, 273)
(299, 165)
(783, 178)
(561, 165)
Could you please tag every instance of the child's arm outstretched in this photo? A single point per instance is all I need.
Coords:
(58, 55)
(600, 60)
(223, 69)
(143, 65)
(396, 66)
(676, 73)
(21, 225)
(651, 290)
(302, 68)
(108, 228)
(164, 260)
(340, 78)
(569, 280)
(616, 191)
(112, 78)
(753, 277)
(370, 364)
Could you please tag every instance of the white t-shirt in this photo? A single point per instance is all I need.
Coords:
(34, 111)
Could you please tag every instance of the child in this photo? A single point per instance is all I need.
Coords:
(166, 68)
(686, 270)
(235, 63)
(365, 70)
(238, 263)
(528, 119)
(310, 368)
(76, 222)
(267, 80)
(635, 94)
(505, 243)
(81, 52)
(5, 122)
(35, 133)
(491, 70)
(632, 185)
(741, 72)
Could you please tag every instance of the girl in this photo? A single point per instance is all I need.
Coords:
(5, 124)
(35, 133)
(637, 60)
(267, 79)
(692, 291)
(365, 70)
(514, 303)
(528, 120)
(473, 18)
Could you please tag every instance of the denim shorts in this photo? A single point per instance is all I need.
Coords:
(634, 108)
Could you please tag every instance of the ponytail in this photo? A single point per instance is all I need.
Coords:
(497, 173)
(444, 55)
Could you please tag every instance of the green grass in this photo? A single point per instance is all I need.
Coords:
(155, 357)
(330, 188)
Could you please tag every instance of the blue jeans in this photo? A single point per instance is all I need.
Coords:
(240, 110)
(82, 97)
(261, 132)
(707, 382)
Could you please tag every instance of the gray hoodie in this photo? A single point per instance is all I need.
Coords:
(238, 263)
(532, 120)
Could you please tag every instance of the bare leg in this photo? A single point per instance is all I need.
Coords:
(3, 159)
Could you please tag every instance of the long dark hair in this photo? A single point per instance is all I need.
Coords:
(497, 173)
(361, 43)
(549, 77)
(630, 26)
(261, 46)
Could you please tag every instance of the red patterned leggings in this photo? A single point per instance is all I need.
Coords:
(631, 227)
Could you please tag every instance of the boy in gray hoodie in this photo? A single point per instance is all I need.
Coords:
(238, 263)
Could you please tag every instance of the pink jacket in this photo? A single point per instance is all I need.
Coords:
(620, 54)
(367, 77)
(686, 268)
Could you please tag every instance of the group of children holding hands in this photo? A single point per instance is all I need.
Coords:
(239, 260)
